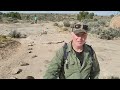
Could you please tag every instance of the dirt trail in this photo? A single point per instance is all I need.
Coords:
(35, 51)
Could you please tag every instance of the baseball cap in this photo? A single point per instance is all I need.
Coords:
(79, 28)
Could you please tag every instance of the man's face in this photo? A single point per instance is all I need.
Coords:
(79, 39)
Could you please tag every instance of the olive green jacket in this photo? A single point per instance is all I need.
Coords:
(89, 70)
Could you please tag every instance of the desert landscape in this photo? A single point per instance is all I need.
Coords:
(31, 52)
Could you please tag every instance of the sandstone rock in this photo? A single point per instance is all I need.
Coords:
(115, 22)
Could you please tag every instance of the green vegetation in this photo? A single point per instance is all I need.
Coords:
(84, 15)
(14, 15)
(108, 33)
(66, 23)
(3, 39)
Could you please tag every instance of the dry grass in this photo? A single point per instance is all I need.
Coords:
(4, 39)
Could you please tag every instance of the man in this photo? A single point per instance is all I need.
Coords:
(77, 61)
(35, 19)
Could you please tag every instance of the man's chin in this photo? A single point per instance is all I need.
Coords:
(80, 44)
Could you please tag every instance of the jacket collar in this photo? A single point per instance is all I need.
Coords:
(70, 48)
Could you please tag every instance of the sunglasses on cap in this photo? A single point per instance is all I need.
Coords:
(78, 26)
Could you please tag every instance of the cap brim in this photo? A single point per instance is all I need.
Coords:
(79, 31)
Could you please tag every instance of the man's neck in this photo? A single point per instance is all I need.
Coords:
(77, 49)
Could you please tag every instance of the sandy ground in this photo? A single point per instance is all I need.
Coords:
(35, 51)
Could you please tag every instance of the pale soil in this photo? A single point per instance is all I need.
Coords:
(108, 52)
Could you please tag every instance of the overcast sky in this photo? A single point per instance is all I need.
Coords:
(95, 12)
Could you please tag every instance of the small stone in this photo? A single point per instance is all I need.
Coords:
(24, 64)
(30, 52)
(30, 48)
(34, 56)
(30, 44)
(30, 77)
(16, 71)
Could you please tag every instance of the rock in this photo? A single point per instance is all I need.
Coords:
(30, 52)
(115, 22)
(24, 64)
(16, 71)
(34, 56)
(23, 36)
(30, 44)
(29, 77)
(30, 48)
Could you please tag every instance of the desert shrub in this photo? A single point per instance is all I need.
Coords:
(3, 38)
(13, 20)
(65, 29)
(1, 13)
(28, 17)
(110, 34)
(102, 22)
(0, 18)
(66, 23)
(15, 34)
(107, 33)
(96, 31)
(95, 19)
(55, 24)
(84, 15)
(13, 15)
(93, 24)
(111, 16)
(60, 25)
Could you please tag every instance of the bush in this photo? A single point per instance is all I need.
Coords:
(65, 29)
(95, 19)
(107, 34)
(15, 34)
(93, 24)
(1, 13)
(13, 20)
(3, 38)
(102, 22)
(55, 24)
(84, 15)
(66, 23)
(13, 15)
(110, 34)
(96, 31)
(0, 18)
(28, 17)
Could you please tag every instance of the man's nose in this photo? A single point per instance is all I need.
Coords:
(79, 38)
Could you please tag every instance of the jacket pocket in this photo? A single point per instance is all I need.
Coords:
(70, 68)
